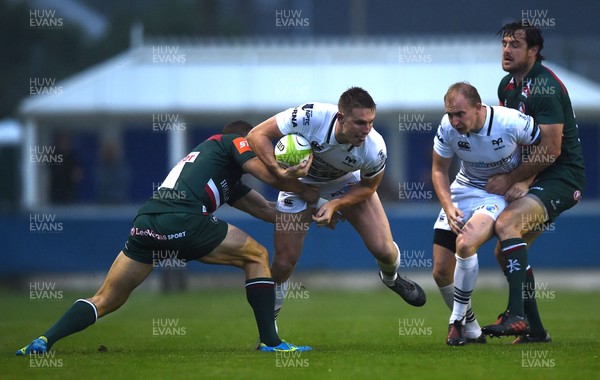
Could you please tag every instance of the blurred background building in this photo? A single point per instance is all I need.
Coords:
(99, 99)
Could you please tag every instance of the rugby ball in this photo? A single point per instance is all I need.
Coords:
(291, 150)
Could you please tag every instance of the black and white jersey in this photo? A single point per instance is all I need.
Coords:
(492, 150)
(332, 160)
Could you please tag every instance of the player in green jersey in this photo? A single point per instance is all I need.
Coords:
(178, 219)
(556, 164)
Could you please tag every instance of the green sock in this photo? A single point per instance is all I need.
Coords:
(530, 305)
(515, 252)
(260, 293)
(82, 314)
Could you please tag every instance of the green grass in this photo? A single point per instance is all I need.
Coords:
(354, 335)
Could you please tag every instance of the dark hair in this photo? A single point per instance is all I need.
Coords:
(533, 36)
(355, 97)
(465, 89)
(237, 127)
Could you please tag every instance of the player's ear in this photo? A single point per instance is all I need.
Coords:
(340, 117)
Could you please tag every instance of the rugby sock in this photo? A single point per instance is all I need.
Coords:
(80, 315)
(472, 328)
(465, 276)
(280, 293)
(515, 253)
(389, 271)
(260, 293)
(536, 327)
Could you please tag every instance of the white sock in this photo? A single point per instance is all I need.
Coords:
(465, 276)
(388, 271)
(472, 329)
(280, 293)
(448, 295)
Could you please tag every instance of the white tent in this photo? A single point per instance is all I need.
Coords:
(206, 80)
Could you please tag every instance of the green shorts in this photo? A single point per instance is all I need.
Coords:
(556, 196)
(184, 236)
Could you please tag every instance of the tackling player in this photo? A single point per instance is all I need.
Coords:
(558, 167)
(179, 219)
(487, 140)
(349, 159)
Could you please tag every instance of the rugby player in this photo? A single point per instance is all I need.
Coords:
(349, 158)
(557, 164)
(179, 219)
(487, 140)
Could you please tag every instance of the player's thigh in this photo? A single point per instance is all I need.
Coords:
(478, 229)
(289, 232)
(370, 221)
(519, 217)
(124, 276)
(237, 249)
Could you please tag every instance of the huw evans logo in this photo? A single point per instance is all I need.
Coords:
(290, 19)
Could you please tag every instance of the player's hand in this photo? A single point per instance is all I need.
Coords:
(455, 219)
(337, 217)
(325, 214)
(516, 191)
(300, 170)
(498, 184)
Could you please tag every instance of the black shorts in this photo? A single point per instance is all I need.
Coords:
(178, 235)
(555, 195)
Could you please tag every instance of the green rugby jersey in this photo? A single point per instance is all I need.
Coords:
(209, 176)
(544, 97)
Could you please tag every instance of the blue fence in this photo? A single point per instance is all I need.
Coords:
(91, 244)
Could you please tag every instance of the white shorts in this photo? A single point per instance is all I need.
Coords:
(292, 203)
(471, 200)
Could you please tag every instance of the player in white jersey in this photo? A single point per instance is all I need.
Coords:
(488, 141)
(348, 163)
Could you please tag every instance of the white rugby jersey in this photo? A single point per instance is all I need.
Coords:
(332, 160)
(492, 150)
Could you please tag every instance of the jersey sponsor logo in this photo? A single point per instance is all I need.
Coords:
(464, 145)
(241, 144)
(135, 231)
(288, 202)
(497, 143)
(577, 195)
(294, 120)
(349, 161)
(307, 108)
(190, 157)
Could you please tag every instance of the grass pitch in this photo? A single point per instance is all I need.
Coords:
(362, 335)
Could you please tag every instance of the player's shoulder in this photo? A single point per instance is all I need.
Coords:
(510, 119)
(445, 128)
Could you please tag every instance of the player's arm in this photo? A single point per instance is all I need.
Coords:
(258, 169)
(519, 189)
(261, 139)
(357, 193)
(255, 204)
(543, 156)
(440, 169)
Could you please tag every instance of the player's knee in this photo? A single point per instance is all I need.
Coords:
(465, 246)
(505, 227)
(256, 253)
(385, 252)
(282, 269)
